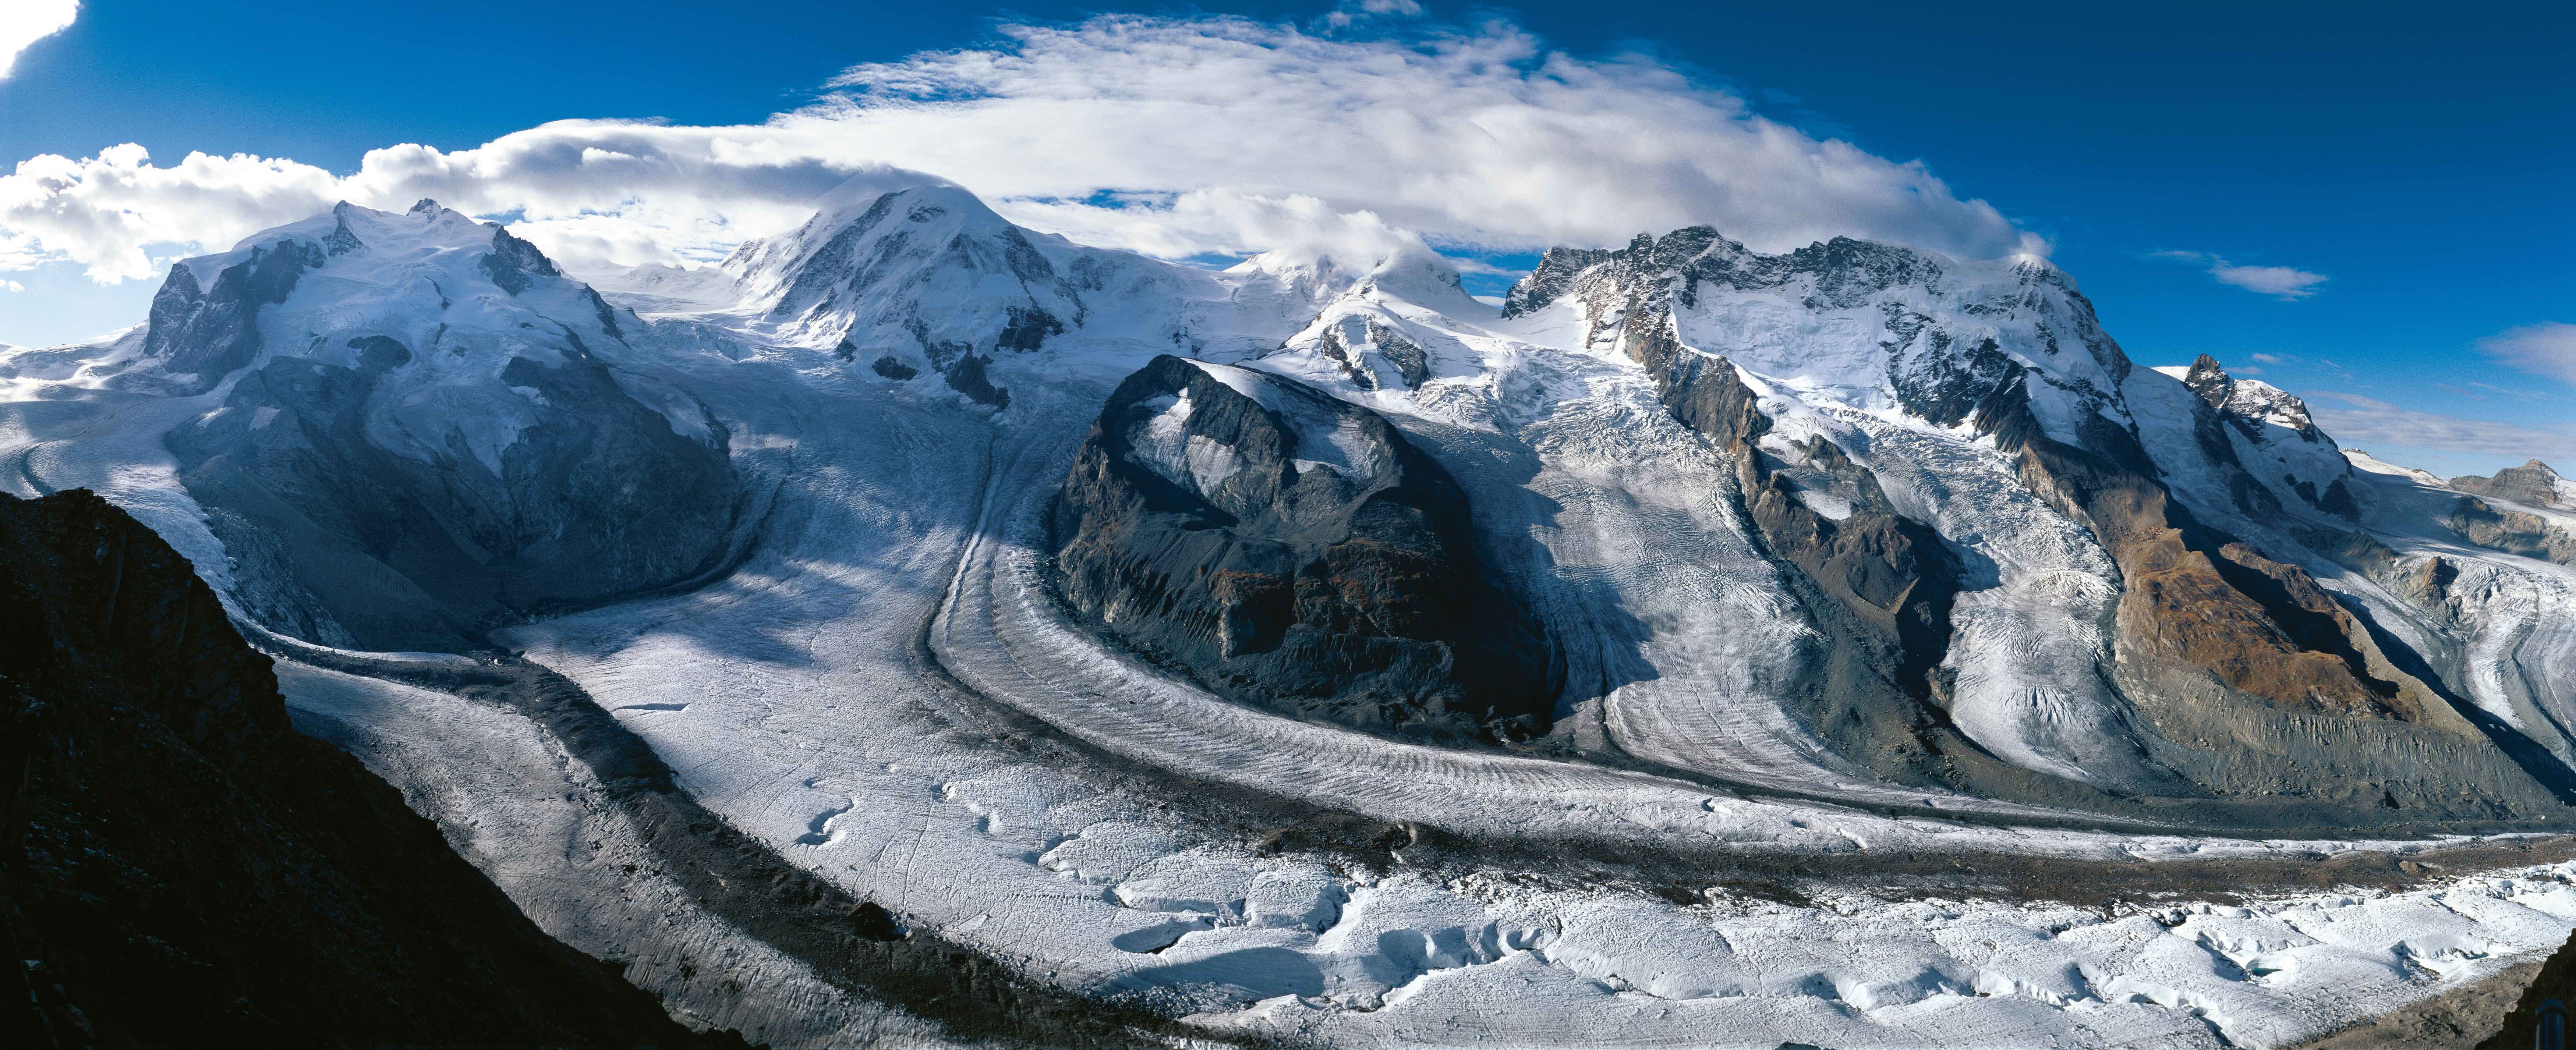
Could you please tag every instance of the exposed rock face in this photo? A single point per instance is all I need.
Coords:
(1294, 551)
(1939, 341)
(204, 333)
(184, 869)
(2249, 403)
(443, 450)
(2232, 678)
(2532, 484)
(2554, 989)
(1890, 572)
(1358, 344)
(2192, 594)
(2513, 531)
(2280, 438)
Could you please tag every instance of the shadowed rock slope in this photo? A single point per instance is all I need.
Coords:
(1294, 551)
(179, 867)
(427, 431)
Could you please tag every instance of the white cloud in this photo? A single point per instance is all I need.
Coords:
(23, 22)
(2280, 282)
(1172, 136)
(2369, 421)
(12, 286)
(2548, 348)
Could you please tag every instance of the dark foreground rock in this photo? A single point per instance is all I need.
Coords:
(1294, 551)
(178, 867)
(2551, 996)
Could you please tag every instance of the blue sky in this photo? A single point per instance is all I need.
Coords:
(2417, 157)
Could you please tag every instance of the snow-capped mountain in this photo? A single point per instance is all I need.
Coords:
(929, 281)
(1868, 395)
(413, 432)
(1307, 649)
(2532, 484)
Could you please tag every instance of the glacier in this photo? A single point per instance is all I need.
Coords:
(868, 669)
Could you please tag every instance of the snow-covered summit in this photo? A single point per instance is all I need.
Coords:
(436, 416)
(927, 278)
(429, 279)
(929, 275)
(1881, 328)
(1392, 328)
(2251, 401)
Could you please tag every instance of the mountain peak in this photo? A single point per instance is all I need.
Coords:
(2534, 484)
(427, 277)
(1418, 275)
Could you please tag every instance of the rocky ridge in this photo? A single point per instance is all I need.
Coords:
(179, 867)
(1294, 551)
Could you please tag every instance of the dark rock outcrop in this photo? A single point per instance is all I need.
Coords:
(208, 331)
(2550, 996)
(1891, 573)
(1411, 363)
(967, 376)
(184, 869)
(1297, 552)
(891, 367)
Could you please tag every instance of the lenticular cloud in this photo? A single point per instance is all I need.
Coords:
(1170, 136)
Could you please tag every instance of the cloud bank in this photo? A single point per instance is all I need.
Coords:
(2280, 282)
(2365, 421)
(2548, 348)
(1170, 136)
(23, 22)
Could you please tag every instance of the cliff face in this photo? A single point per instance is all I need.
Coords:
(1296, 552)
(183, 868)
(2196, 596)
(429, 429)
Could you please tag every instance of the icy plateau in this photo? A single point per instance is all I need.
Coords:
(1849, 647)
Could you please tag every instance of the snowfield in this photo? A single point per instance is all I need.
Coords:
(885, 691)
